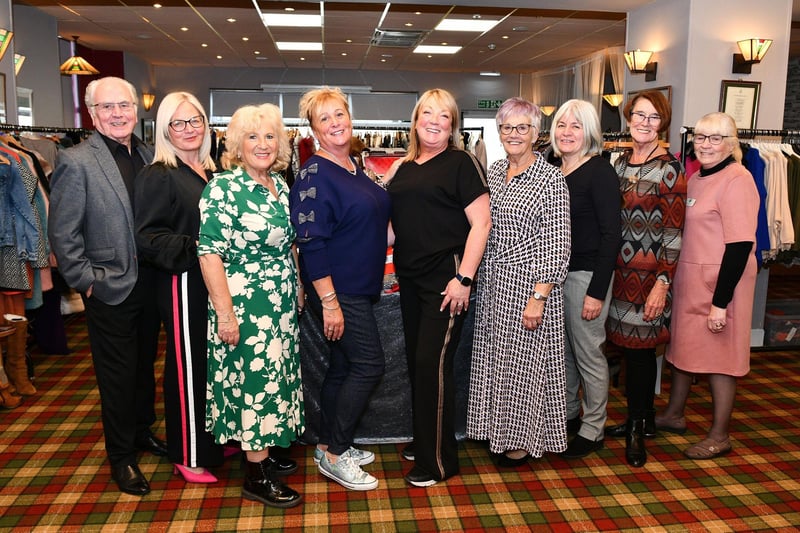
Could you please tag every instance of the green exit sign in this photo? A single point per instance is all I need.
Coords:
(489, 104)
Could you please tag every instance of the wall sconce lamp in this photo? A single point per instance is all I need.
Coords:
(19, 59)
(5, 40)
(753, 51)
(639, 63)
(547, 110)
(147, 100)
(613, 99)
(76, 64)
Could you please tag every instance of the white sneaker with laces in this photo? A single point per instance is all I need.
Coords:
(347, 473)
(361, 457)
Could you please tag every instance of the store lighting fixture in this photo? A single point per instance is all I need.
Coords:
(76, 64)
(148, 99)
(472, 25)
(291, 46)
(428, 49)
(547, 110)
(753, 51)
(5, 40)
(291, 20)
(639, 63)
(613, 99)
(19, 59)
(489, 73)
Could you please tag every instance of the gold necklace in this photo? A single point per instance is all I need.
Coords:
(634, 178)
(568, 170)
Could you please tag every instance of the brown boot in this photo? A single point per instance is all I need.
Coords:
(8, 400)
(15, 365)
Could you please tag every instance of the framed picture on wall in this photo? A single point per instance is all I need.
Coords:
(148, 131)
(739, 99)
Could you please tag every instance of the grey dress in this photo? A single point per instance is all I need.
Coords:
(517, 393)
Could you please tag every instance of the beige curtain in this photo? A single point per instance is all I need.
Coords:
(617, 62)
(589, 79)
(552, 87)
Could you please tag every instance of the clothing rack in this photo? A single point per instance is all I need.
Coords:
(744, 133)
(44, 129)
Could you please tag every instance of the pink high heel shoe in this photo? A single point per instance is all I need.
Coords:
(191, 477)
(228, 450)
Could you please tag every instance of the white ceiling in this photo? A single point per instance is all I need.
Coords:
(531, 35)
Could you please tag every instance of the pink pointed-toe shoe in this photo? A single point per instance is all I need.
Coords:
(191, 477)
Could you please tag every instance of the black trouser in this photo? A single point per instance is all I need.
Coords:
(431, 339)
(640, 381)
(183, 304)
(124, 342)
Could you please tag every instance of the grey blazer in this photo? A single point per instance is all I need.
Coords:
(91, 221)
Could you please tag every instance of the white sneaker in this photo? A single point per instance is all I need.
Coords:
(347, 473)
(361, 457)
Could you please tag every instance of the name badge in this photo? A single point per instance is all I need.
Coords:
(690, 202)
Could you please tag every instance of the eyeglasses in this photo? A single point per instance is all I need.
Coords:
(522, 129)
(108, 107)
(179, 125)
(713, 139)
(638, 116)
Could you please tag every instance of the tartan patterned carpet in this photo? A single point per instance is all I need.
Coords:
(53, 475)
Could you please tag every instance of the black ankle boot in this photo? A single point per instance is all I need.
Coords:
(635, 452)
(261, 484)
(650, 424)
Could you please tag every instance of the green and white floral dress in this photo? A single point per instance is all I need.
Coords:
(254, 392)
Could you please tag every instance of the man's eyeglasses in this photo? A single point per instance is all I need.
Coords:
(179, 125)
(522, 129)
(638, 116)
(108, 107)
(713, 139)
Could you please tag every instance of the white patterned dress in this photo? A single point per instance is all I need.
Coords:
(517, 392)
(254, 393)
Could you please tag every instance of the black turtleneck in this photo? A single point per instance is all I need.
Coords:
(716, 168)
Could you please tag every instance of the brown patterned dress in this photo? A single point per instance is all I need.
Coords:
(653, 209)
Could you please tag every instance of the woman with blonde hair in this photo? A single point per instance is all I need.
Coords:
(249, 264)
(714, 283)
(167, 194)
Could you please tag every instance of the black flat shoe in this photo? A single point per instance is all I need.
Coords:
(280, 466)
(581, 447)
(151, 443)
(573, 425)
(130, 479)
(504, 461)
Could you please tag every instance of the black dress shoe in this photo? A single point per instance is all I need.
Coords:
(130, 479)
(619, 431)
(635, 451)
(260, 484)
(151, 443)
(419, 478)
(581, 447)
(504, 461)
(280, 466)
(573, 425)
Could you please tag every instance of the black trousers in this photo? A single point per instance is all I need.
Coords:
(183, 304)
(431, 338)
(124, 342)
(640, 381)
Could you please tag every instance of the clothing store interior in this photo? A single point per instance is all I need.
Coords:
(54, 465)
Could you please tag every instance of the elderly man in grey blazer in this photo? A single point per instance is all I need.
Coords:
(91, 232)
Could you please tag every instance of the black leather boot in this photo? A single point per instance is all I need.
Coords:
(650, 424)
(635, 452)
(261, 484)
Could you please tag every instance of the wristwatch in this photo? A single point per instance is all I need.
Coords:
(539, 296)
(464, 280)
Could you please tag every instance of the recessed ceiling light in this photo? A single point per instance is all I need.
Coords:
(490, 73)
(505, 37)
(479, 26)
(409, 24)
(383, 61)
(157, 6)
(302, 59)
(348, 40)
(256, 52)
(291, 20)
(231, 19)
(428, 49)
(418, 12)
(429, 56)
(219, 57)
(344, 53)
(245, 38)
(204, 45)
(288, 9)
(184, 28)
(299, 46)
(444, 43)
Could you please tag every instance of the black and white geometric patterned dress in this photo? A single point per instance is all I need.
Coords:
(517, 385)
